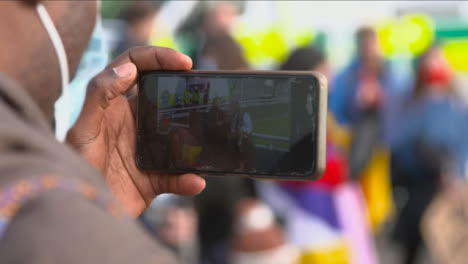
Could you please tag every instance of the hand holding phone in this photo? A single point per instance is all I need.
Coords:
(104, 134)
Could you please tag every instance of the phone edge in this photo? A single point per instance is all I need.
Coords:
(321, 160)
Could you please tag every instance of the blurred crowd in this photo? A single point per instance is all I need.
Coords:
(394, 146)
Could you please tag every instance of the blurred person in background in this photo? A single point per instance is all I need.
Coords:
(360, 98)
(173, 220)
(257, 238)
(74, 202)
(208, 18)
(139, 17)
(216, 204)
(363, 98)
(430, 143)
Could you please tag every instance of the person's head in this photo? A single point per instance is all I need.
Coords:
(306, 59)
(178, 227)
(212, 17)
(367, 45)
(433, 73)
(172, 219)
(225, 53)
(27, 53)
(220, 17)
(257, 238)
(139, 16)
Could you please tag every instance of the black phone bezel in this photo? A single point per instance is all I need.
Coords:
(319, 162)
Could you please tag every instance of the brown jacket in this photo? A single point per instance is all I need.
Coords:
(54, 207)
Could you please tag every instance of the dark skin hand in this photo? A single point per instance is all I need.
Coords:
(105, 132)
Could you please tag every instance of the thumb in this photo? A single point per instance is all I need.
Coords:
(102, 89)
(110, 84)
(105, 87)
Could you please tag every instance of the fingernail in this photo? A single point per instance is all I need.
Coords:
(187, 57)
(124, 70)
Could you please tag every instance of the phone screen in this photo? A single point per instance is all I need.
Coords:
(228, 123)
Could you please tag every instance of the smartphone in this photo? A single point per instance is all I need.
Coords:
(264, 124)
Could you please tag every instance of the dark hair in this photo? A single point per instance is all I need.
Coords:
(138, 10)
(226, 52)
(303, 59)
(198, 14)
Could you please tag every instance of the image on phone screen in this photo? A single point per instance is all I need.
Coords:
(228, 124)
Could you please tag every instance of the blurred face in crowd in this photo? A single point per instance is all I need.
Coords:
(221, 18)
(435, 71)
(30, 59)
(369, 49)
(141, 30)
(179, 227)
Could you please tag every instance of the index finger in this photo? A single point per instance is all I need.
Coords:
(148, 58)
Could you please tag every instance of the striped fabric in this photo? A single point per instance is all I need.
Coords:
(18, 193)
